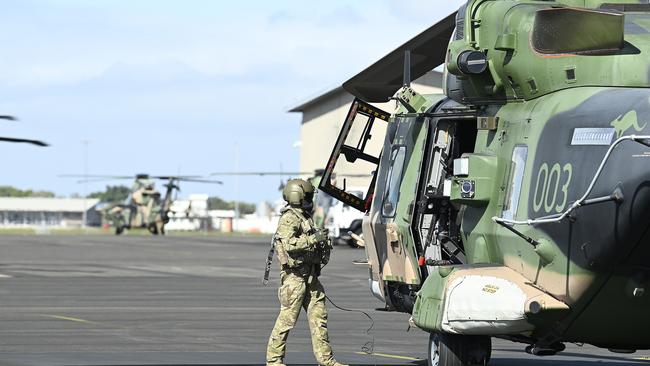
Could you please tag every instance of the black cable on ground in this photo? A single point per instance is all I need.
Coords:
(369, 347)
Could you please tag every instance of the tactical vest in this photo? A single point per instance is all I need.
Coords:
(306, 263)
(300, 262)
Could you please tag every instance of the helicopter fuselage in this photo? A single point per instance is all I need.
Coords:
(515, 204)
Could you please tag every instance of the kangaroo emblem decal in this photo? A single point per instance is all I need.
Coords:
(625, 122)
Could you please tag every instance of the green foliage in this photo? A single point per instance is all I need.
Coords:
(216, 203)
(112, 194)
(8, 191)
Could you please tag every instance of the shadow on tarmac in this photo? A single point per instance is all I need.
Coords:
(601, 361)
(542, 362)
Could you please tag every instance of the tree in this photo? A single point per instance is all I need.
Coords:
(216, 203)
(8, 191)
(112, 194)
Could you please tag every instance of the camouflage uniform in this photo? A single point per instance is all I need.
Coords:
(300, 261)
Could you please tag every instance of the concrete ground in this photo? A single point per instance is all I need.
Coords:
(103, 300)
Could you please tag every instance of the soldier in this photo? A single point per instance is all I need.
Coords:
(302, 250)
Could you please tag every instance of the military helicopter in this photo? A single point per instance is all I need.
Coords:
(514, 205)
(145, 207)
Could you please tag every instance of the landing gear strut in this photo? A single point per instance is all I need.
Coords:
(458, 350)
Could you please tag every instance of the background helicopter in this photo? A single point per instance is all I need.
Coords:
(342, 221)
(514, 205)
(145, 207)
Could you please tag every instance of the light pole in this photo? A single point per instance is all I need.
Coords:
(236, 225)
(85, 192)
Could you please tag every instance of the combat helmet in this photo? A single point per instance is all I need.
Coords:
(297, 192)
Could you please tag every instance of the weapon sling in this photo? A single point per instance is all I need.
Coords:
(269, 262)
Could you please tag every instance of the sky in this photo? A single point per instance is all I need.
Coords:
(180, 87)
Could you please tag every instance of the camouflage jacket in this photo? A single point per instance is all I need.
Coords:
(294, 242)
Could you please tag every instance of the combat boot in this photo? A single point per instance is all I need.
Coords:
(335, 363)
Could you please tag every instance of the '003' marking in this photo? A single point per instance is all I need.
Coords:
(552, 187)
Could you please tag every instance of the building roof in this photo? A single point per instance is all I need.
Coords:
(36, 204)
(306, 104)
(432, 78)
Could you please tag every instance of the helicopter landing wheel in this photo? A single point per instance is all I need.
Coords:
(458, 350)
(433, 356)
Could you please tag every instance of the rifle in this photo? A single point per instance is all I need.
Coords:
(269, 262)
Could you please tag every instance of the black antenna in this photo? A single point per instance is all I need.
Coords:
(407, 68)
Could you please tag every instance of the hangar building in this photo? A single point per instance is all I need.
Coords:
(47, 212)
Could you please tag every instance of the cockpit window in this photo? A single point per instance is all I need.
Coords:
(459, 31)
(393, 180)
(554, 31)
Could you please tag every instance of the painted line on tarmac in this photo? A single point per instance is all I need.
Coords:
(386, 355)
(646, 358)
(5, 276)
(68, 318)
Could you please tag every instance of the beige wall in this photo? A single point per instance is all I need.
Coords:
(322, 123)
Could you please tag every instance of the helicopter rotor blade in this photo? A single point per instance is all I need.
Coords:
(200, 180)
(93, 178)
(287, 174)
(26, 141)
(97, 180)
(380, 81)
(103, 178)
(187, 178)
(108, 177)
(261, 174)
(9, 118)
(169, 177)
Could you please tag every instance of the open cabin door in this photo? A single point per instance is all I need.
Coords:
(355, 158)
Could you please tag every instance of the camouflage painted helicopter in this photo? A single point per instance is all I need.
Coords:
(514, 205)
(145, 207)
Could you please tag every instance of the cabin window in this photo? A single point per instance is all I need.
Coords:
(517, 167)
(393, 180)
(355, 158)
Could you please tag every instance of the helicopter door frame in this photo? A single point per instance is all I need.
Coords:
(353, 153)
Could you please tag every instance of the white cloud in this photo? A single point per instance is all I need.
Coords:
(137, 78)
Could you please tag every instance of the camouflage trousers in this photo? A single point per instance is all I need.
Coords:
(296, 294)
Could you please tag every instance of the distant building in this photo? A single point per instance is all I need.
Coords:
(48, 212)
(189, 214)
(323, 117)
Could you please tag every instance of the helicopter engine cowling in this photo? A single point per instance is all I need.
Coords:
(484, 300)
